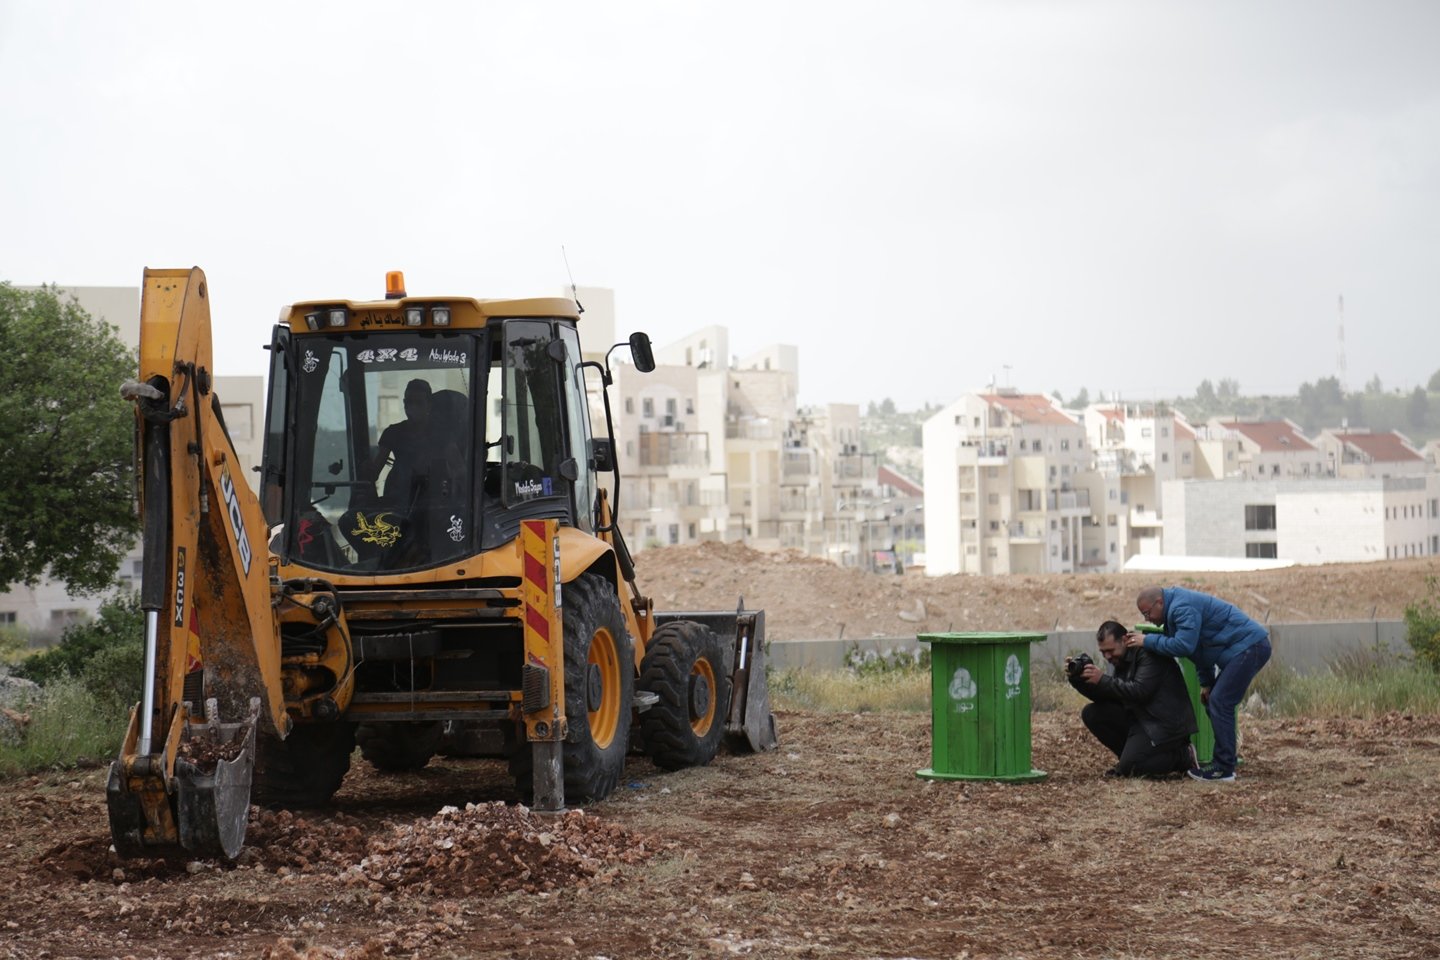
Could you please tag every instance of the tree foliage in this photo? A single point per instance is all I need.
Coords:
(119, 625)
(67, 479)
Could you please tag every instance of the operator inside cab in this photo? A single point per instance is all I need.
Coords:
(404, 446)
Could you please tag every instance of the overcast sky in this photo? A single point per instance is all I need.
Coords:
(1129, 197)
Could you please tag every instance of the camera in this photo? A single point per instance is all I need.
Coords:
(1076, 665)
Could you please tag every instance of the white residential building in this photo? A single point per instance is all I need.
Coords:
(1270, 449)
(1008, 488)
(1307, 521)
(1352, 455)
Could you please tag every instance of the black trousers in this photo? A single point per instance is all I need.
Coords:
(1113, 726)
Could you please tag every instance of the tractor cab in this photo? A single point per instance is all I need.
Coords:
(410, 433)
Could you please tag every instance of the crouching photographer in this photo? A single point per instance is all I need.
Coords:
(1141, 710)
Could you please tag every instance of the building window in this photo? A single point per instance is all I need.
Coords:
(1259, 516)
(991, 552)
(994, 526)
(63, 618)
(1064, 444)
(1164, 458)
(689, 406)
(1112, 550)
(993, 499)
(1112, 520)
(648, 407)
(670, 406)
(1022, 443)
(970, 549)
(691, 530)
(1184, 458)
(1274, 469)
(1164, 431)
(629, 448)
(1261, 551)
(7, 618)
(1144, 431)
(674, 533)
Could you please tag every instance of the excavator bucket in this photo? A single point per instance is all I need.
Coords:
(199, 808)
(213, 771)
(749, 724)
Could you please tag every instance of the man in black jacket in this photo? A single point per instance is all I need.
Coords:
(1141, 710)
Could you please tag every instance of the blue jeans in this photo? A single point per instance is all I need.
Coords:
(1225, 696)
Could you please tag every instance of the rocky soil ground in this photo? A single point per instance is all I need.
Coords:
(1329, 845)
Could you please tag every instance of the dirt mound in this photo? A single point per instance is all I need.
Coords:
(484, 848)
(493, 847)
(805, 598)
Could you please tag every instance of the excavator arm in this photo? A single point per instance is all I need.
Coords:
(212, 643)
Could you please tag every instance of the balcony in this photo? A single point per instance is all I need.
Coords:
(797, 466)
(1144, 518)
(665, 450)
(752, 428)
(1070, 503)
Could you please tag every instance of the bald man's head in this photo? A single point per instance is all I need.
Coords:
(1151, 604)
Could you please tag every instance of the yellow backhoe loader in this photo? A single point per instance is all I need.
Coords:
(432, 565)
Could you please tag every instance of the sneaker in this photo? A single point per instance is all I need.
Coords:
(1188, 760)
(1213, 774)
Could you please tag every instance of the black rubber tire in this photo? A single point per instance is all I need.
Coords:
(306, 768)
(678, 731)
(398, 747)
(592, 769)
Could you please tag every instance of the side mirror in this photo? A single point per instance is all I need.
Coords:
(603, 454)
(641, 353)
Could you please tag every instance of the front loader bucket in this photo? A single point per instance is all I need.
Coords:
(749, 725)
(213, 772)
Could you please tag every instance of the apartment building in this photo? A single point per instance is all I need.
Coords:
(1351, 455)
(1314, 520)
(1269, 449)
(1008, 488)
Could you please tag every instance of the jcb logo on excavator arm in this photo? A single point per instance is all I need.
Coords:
(237, 522)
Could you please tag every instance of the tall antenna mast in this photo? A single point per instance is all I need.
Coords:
(1340, 354)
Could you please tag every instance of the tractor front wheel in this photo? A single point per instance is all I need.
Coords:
(685, 667)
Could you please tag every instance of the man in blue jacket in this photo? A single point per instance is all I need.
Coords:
(1227, 648)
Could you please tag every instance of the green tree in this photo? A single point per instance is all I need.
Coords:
(1205, 394)
(887, 407)
(1434, 385)
(1082, 399)
(67, 476)
(1417, 409)
(1229, 389)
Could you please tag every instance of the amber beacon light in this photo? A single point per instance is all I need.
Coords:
(394, 285)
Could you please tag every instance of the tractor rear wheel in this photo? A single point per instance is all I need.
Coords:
(685, 666)
(398, 747)
(599, 690)
(306, 768)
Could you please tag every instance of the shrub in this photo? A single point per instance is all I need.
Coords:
(1422, 626)
(14, 643)
(119, 624)
(67, 727)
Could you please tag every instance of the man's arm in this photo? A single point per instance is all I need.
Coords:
(1182, 643)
